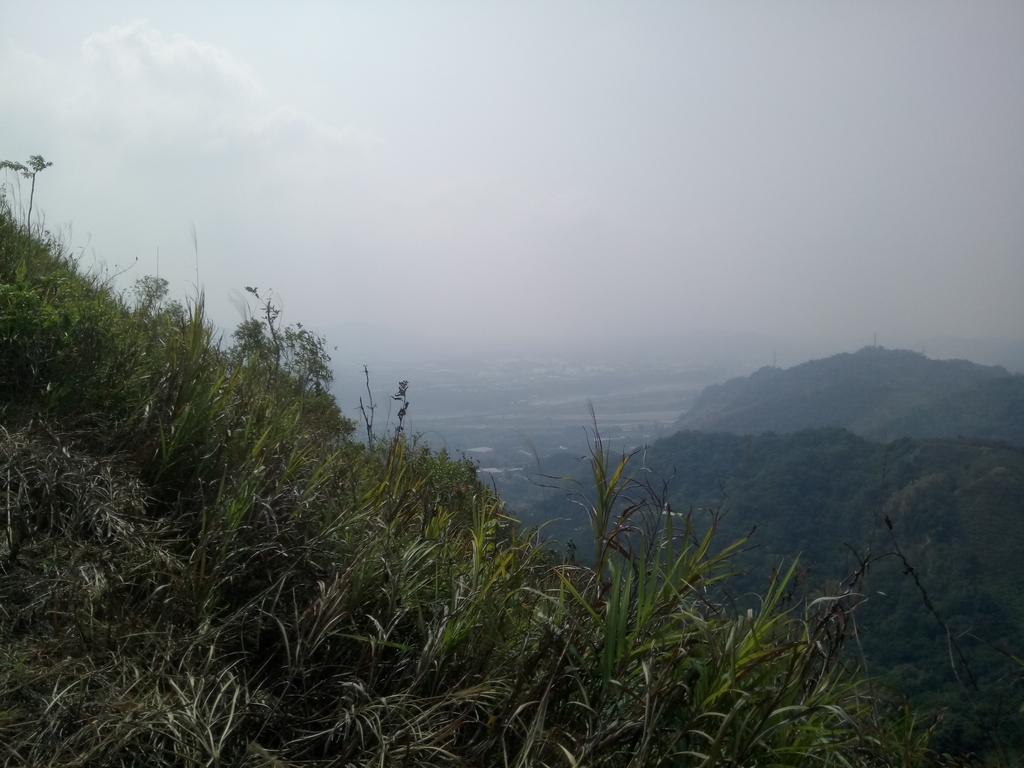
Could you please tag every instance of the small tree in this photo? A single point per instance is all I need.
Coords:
(295, 363)
(150, 292)
(36, 163)
(151, 305)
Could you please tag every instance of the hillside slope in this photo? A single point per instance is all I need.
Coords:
(877, 393)
(953, 508)
(829, 497)
(199, 566)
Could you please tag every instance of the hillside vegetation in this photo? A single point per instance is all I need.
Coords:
(881, 394)
(934, 527)
(941, 521)
(198, 566)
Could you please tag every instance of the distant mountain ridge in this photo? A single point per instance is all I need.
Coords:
(877, 393)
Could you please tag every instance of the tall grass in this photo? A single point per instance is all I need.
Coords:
(192, 575)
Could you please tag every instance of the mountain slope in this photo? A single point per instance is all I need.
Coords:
(876, 393)
(199, 567)
(828, 497)
(954, 508)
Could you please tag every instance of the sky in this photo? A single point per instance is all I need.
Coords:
(524, 171)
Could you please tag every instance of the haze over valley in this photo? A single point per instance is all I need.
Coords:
(540, 174)
(518, 208)
(506, 408)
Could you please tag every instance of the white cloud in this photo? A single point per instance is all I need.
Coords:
(135, 87)
(284, 127)
(136, 52)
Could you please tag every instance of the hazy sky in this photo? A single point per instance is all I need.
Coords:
(519, 169)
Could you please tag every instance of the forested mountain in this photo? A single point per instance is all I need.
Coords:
(937, 517)
(877, 393)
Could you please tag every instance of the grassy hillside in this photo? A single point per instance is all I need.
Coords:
(877, 393)
(199, 567)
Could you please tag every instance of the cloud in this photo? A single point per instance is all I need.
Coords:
(137, 85)
(142, 90)
(138, 53)
(287, 127)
